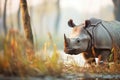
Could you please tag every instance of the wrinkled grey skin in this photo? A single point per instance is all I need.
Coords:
(94, 38)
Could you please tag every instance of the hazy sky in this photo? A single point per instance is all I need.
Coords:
(79, 5)
(90, 6)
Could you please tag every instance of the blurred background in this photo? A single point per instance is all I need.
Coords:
(50, 17)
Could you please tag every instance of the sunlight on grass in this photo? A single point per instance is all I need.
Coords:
(18, 58)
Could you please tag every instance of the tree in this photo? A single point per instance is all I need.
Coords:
(11, 16)
(26, 20)
(18, 19)
(58, 16)
(4, 17)
(116, 9)
(0, 8)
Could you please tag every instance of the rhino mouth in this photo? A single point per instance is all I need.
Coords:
(71, 51)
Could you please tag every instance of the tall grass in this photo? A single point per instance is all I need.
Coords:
(19, 58)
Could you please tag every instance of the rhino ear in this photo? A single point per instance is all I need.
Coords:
(71, 24)
(87, 23)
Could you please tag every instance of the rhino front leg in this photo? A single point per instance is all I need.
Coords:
(103, 56)
(89, 58)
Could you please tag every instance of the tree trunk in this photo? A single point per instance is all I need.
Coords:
(4, 17)
(57, 16)
(116, 9)
(11, 16)
(0, 8)
(26, 20)
(18, 19)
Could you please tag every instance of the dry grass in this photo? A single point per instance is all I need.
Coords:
(18, 58)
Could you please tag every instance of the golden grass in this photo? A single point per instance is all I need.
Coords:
(18, 58)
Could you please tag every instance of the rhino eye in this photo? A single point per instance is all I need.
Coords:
(78, 40)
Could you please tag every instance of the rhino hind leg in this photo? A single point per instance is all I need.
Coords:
(103, 56)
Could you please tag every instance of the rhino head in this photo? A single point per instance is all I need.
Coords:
(79, 39)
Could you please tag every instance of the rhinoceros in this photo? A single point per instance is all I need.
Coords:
(94, 38)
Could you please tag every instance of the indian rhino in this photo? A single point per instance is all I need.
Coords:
(94, 38)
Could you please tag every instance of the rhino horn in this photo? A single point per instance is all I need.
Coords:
(70, 23)
(65, 41)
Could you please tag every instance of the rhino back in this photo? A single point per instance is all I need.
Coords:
(113, 28)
